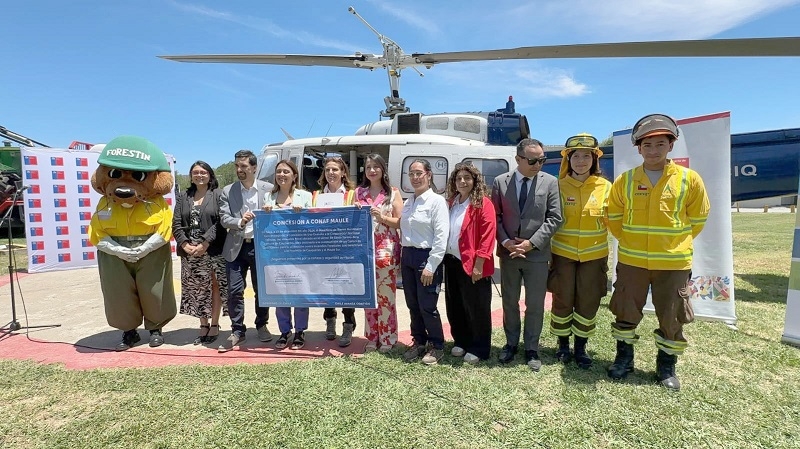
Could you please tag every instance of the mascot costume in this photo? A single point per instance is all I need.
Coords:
(131, 229)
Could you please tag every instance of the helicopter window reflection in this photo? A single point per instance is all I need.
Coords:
(489, 168)
(267, 162)
(437, 122)
(439, 167)
(467, 125)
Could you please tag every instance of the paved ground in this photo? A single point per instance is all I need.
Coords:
(69, 307)
(82, 339)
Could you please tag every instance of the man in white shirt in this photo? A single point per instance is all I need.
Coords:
(237, 204)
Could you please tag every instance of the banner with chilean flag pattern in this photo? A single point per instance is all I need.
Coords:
(56, 216)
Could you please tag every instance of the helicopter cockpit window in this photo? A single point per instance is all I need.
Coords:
(437, 122)
(267, 163)
(489, 168)
(311, 171)
(438, 167)
(467, 125)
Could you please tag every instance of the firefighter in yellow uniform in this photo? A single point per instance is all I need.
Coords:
(655, 211)
(577, 278)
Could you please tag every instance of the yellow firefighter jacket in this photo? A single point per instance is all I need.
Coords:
(112, 220)
(583, 236)
(655, 225)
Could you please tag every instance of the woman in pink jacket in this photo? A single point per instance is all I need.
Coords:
(469, 264)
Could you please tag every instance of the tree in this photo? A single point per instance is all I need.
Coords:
(608, 141)
(226, 174)
(183, 182)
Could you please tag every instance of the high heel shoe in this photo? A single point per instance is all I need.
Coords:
(202, 338)
(212, 338)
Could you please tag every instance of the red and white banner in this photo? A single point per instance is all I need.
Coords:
(704, 146)
(59, 204)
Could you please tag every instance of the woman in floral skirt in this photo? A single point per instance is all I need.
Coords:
(385, 204)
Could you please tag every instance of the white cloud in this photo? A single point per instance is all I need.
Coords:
(405, 15)
(251, 79)
(268, 26)
(226, 89)
(550, 83)
(648, 20)
(497, 79)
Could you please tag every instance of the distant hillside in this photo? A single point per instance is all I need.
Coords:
(225, 173)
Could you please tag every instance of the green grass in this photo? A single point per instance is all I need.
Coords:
(20, 253)
(740, 389)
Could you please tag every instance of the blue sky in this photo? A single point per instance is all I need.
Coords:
(87, 69)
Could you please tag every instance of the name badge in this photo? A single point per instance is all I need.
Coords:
(104, 214)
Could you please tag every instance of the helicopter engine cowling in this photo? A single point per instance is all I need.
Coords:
(492, 128)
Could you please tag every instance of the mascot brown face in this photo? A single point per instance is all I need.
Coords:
(126, 187)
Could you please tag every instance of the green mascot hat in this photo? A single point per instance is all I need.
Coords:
(133, 153)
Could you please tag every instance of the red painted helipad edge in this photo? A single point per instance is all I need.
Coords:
(18, 346)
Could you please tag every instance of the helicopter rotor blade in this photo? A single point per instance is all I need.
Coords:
(355, 61)
(394, 59)
(752, 47)
(777, 46)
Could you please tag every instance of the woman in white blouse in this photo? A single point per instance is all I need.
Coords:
(469, 264)
(424, 225)
(335, 178)
(287, 193)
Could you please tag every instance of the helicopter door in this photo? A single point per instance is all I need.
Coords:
(270, 158)
(266, 165)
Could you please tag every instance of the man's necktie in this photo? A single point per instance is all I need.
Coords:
(523, 195)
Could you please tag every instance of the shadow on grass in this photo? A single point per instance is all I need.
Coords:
(572, 375)
(769, 288)
(107, 340)
(316, 346)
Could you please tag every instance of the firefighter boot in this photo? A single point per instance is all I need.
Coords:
(665, 370)
(563, 354)
(582, 359)
(623, 362)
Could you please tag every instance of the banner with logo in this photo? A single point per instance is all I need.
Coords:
(59, 204)
(704, 146)
(791, 330)
(315, 258)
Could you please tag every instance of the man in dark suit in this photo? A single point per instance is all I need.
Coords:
(237, 205)
(528, 208)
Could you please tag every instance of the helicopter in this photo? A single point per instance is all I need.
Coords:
(482, 137)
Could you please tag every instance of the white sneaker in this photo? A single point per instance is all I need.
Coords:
(471, 358)
(457, 351)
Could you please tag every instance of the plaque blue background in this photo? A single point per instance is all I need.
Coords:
(286, 220)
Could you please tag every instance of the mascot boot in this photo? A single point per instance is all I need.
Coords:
(131, 229)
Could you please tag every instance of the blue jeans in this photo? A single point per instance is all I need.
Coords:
(284, 315)
(237, 270)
